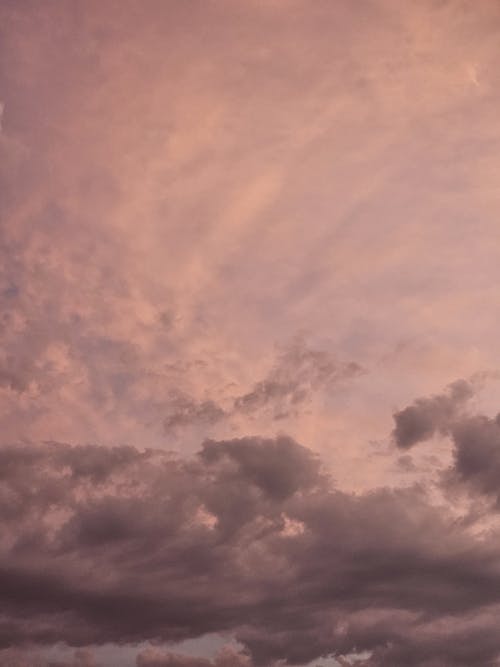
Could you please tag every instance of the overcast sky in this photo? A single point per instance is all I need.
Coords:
(249, 322)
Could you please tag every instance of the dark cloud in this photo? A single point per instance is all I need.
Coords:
(247, 537)
(426, 416)
(475, 439)
(476, 454)
(279, 467)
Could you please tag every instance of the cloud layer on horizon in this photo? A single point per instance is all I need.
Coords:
(249, 537)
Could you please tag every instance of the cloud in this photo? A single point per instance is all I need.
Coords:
(476, 456)
(185, 411)
(121, 545)
(26, 658)
(157, 658)
(471, 642)
(426, 416)
(297, 375)
(300, 371)
(181, 191)
(475, 439)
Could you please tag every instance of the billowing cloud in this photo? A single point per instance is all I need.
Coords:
(477, 454)
(426, 416)
(249, 537)
(475, 439)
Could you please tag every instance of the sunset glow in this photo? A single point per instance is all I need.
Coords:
(249, 374)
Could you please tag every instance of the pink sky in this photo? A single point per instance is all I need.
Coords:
(241, 239)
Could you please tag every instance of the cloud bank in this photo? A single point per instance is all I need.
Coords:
(248, 537)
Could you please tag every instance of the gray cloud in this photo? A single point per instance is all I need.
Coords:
(247, 537)
(426, 416)
(476, 453)
(475, 439)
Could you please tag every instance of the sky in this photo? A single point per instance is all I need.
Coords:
(249, 313)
